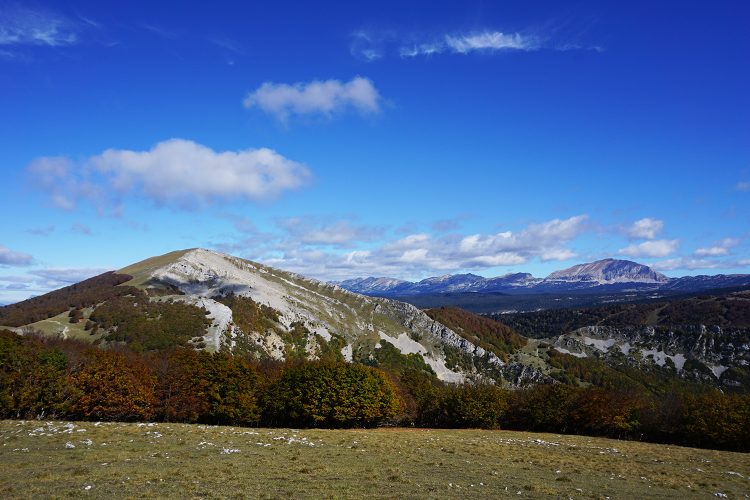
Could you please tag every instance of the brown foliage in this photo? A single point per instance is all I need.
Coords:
(84, 294)
(489, 334)
(114, 386)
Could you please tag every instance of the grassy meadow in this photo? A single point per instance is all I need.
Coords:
(79, 459)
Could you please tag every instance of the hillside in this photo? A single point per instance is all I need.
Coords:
(704, 339)
(218, 302)
(158, 460)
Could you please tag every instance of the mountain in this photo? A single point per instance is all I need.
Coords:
(370, 285)
(608, 271)
(607, 275)
(206, 300)
(704, 339)
(218, 302)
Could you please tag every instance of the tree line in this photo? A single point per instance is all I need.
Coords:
(52, 378)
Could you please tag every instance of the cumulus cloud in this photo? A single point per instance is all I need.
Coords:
(711, 251)
(653, 248)
(36, 27)
(315, 98)
(176, 171)
(722, 247)
(10, 257)
(646, 228)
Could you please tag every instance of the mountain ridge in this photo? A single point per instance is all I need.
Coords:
(610, 274)
(254, 310)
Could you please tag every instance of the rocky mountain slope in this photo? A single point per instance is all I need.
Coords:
(253, 309)
(611, 275)
(608, 271)
(704, 339)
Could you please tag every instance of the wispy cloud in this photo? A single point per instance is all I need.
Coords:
(160, 31)
(371, 45)
(452, 224)
(42, 231)
(52, 278)
(368, 46)
(10, 257)
(692, 264)
(81, 229)
(21, 26)
(337, 233)
(315, 98)
(227, 44)
(177, 172)
(743, 186)
(652, 248)
(465, 43)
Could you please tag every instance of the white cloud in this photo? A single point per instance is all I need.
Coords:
(498, 259)
(368, 46)
(558, 254)
(340, 233)
(646, 228)
(422, 49)
(413, 255)
(62, 179)
(743, 186)
(465, 43)
(490, 41)
(59, 277)
(317, 97)
(711, 251)
(722, 247)
(174, 171)
(24, 26)
(10, 257)
(687, 264)
(653, 248)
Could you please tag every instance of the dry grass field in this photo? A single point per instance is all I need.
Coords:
(118, 460)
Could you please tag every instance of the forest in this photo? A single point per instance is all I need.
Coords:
(728, 310)
(43, 377)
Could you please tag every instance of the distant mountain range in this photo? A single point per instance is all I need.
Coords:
(607, 275)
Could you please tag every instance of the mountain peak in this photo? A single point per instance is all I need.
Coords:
(608, 271)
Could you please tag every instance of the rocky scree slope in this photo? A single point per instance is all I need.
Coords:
(306, 316)
(704, 339)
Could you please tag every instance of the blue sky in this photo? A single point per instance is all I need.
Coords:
(405, 139)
